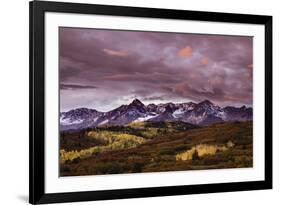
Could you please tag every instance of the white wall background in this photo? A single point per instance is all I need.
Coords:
(14, 100)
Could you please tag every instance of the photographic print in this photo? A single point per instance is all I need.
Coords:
(144, 101)
(130, 102)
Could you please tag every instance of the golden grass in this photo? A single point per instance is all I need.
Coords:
(202, 150)
(114, 141)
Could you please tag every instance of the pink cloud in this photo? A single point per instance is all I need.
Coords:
(235, 98)
(115, 53)
(250, 66)
(118, 77)
(182, 88)
(248, 76)
(205, 61)
(216, 81)
(193, 76)
(185, 52)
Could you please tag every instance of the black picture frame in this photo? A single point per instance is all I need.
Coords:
(37, 9)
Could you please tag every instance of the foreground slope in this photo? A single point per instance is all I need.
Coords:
(221, 145)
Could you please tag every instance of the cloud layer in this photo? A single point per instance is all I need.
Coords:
(103, 69)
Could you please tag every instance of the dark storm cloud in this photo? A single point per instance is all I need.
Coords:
(152, 98)
(154, 67)
(75, 86)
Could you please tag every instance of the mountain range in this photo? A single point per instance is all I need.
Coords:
(203, 114)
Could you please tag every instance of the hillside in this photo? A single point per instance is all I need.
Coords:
(156, 146)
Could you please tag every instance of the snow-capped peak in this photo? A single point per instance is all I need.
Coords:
(203, 113)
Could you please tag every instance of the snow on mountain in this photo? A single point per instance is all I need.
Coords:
(67, 121)
(78, 118)
(203, 113)
(103, 122)
(146, 118)
(178, 113)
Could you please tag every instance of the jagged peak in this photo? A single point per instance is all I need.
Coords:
(206, 102)
(187, 103)
(243, 107)
(83, 109)
(136, 102)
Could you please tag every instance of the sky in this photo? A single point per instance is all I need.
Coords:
(103, 69)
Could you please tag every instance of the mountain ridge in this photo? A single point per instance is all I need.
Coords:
(203, 113)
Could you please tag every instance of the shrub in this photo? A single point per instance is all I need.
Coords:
(110, 168)
(76, 160)
(137, 167)
(65, 169)
(166, 151)
(195, 155)
(180, 148)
